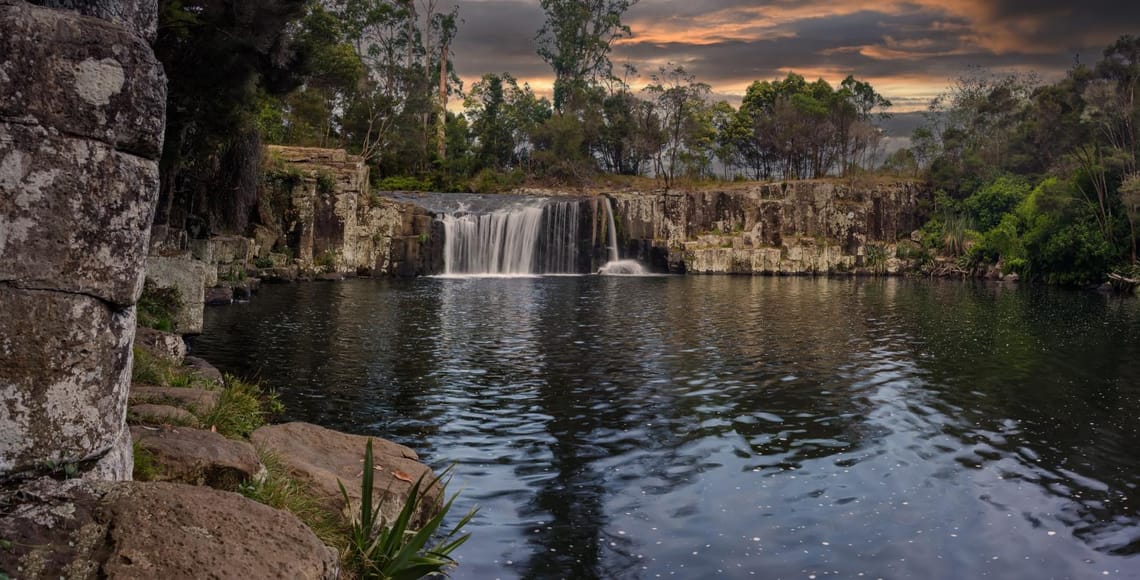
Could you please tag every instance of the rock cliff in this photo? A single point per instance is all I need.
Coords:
(316, 208)
(774, 228)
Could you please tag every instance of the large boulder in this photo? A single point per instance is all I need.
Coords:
(322, 457)
(140, 17)
(65, 366)
(198, 457)
(79, 529)
(163, 345)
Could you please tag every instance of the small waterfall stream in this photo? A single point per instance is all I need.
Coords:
(617, 266)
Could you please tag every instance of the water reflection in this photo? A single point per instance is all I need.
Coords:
(733, 426)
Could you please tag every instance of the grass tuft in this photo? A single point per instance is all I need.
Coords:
(242, 408)
(383, 550)
(282, 491)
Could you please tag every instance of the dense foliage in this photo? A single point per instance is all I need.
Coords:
(1040, 178)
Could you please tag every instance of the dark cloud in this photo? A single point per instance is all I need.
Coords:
(911, 48)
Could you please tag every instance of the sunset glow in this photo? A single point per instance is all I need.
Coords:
(910, 50)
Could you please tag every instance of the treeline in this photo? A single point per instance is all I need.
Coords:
(375, 77)
(1037, 179)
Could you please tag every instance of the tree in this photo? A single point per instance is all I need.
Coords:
(680, 103)
(576, 39)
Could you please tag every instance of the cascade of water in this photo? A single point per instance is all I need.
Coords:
(614, 256)
(616, 266)
(536, 237)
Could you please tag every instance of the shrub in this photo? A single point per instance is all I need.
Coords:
(382, 550)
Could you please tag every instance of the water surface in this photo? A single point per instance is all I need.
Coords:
(695, 427)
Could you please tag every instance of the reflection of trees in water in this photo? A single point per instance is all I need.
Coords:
(1043, 384)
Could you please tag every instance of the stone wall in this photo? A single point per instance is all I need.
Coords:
(775, 228)
(82, 104)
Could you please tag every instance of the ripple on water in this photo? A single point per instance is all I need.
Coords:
(727, 426)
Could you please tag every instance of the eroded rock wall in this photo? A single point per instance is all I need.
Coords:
(777, 228)
(323, 216)
(82, 103)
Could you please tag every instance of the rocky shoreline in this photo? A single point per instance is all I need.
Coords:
(188, 514)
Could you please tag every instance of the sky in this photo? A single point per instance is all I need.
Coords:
(909, 50)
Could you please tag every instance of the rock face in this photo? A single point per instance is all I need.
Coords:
(80, 529)
(321, 457)
(189, 277)
(164, 345)
(777, 228)
(82, 108)
(321, 212)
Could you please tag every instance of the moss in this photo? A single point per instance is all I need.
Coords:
(146, 468)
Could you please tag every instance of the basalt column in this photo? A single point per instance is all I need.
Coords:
(82, 102)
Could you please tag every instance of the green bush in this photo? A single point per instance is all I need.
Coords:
(493, 181)
(326, 183)
(403, 183)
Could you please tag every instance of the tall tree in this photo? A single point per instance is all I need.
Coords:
(576, 40)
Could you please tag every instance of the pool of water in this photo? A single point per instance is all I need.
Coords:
(695, 427)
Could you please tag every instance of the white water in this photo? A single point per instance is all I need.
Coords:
(526, 239)
(617, 266)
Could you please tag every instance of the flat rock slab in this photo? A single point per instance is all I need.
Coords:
(79, 529)
(198, 457)
(322, 457)
(152, 414)
(204, 369)
(197, 401)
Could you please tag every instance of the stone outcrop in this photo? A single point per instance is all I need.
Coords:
(79, 529)
(322, 457)
(82, 107)
(152, 414)
(773, 228)
(189, 276)
(321, 212)
(81, 117)
(160, 344)
(198, 457)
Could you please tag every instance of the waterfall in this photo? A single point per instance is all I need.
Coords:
(616, 266)
(614, 256)
(527, 238)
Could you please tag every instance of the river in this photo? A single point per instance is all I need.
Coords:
(697, 427)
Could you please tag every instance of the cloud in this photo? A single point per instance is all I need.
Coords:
(909, 49)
